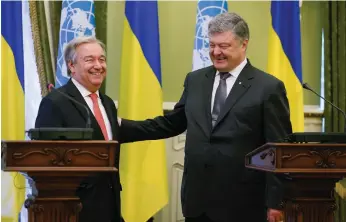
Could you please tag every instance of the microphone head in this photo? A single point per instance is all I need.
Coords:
(50, 86)
(306, 86)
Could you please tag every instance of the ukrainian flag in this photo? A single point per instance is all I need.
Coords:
(142, 164)
(12, 102)
(284, 55)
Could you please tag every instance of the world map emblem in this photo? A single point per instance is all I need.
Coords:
(77, 19)
(205, 12)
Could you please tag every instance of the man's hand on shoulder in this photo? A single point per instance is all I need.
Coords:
(275, 215)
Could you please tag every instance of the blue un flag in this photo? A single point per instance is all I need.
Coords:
(206, 10)
(77, 19)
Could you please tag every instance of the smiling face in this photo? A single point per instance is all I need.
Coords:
(226, 50)
(89, 67)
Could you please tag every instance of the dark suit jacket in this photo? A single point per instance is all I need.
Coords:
(99, 194)
(215, 180)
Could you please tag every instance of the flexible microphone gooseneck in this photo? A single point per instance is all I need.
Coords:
(51, 87)
(306, 86)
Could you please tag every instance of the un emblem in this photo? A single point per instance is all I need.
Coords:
(77, 19)
(205, 12)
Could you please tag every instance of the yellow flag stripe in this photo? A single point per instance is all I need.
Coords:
(142, 164)
(12, 128)
(280, 66)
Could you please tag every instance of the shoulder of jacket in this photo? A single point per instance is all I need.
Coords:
(266, 78)
(202, 71)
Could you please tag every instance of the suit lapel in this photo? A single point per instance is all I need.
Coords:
(72, 91)
(207, 93)
(241, 85)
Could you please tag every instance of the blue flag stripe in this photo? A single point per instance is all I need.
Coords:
(143, 19)
(286, 23)
(12, 31)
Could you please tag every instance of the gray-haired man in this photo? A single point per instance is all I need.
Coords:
(85, 58)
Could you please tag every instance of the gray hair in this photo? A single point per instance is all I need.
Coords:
(229, 22)
(70, 49)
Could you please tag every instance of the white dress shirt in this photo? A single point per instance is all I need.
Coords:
(229, 81)
(85, 93)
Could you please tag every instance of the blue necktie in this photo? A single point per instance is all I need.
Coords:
(220, 96)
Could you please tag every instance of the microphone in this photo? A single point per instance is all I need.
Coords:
(51, 88)
(306, 86)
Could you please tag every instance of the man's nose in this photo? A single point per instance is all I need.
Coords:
(216, 51)
(97, 65)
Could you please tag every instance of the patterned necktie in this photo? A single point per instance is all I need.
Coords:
(98, 115)
(220, 96)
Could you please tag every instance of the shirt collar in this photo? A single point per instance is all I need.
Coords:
(236, 71)
(82, 89)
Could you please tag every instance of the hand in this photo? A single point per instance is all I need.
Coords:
(275, 215)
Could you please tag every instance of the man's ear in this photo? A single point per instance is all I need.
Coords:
(244, 44)
(71, 67)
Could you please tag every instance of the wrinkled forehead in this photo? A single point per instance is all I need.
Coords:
(220, 37)
(90, 50)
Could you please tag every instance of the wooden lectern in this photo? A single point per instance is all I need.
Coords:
(309, 172)
(57, 167)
